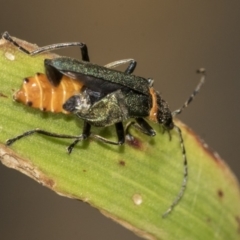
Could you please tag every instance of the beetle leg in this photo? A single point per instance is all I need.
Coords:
(48, 48)
(168, 132)
(43, 132)
(131, 67)
(145, 127)
(142, 126)
(120, 134)
(84, 52)
(85, 134)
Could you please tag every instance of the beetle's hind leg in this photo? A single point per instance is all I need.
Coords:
(131, 65)
(85, 134)
(43, 132)
(83, 47)
(7, 37)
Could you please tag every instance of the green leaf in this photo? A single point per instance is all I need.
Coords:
(134, 184)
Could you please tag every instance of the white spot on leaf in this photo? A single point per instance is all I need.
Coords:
(137, 199)
(9, 56)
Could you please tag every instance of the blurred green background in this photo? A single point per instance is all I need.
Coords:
(169, 40)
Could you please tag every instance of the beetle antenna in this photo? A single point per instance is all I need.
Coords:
(185, 163)
(195, 92)
(185, 174)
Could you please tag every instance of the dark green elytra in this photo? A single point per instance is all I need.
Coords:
(68, 66)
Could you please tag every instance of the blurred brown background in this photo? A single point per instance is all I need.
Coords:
(170, 40)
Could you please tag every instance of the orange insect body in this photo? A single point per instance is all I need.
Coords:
(38, 92)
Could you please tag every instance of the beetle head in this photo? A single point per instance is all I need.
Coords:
(163, 113)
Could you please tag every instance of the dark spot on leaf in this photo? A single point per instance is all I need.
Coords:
(49, 182)
(2, 95)
(209, 220)
(238, 222)
(220, 193)
(84, 170)
(122, 163)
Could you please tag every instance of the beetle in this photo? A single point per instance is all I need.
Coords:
(104, 97)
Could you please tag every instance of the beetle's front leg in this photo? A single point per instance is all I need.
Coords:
(142, 126)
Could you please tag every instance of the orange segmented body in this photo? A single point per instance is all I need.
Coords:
(38, 92)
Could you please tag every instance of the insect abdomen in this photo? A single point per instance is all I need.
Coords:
(38, 92)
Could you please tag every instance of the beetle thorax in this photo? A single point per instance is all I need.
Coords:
(160, 111)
